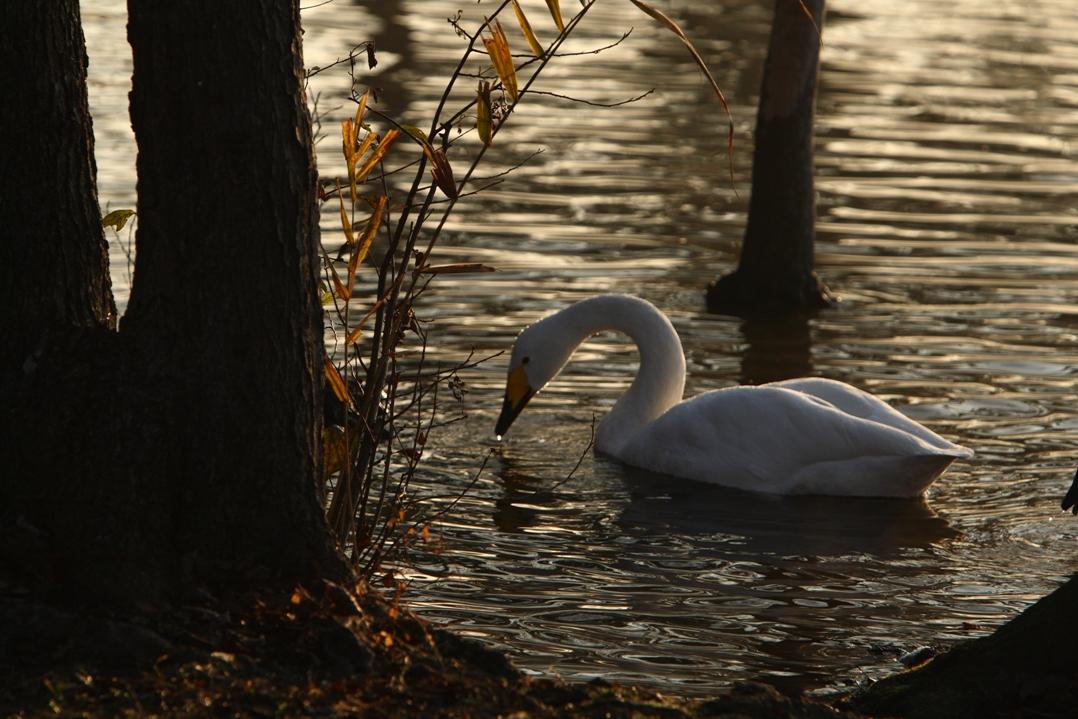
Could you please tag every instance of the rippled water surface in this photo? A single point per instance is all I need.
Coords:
(947, 180)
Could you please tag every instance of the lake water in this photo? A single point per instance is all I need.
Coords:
(948, 218)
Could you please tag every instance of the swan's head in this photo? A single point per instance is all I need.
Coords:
(539, 353)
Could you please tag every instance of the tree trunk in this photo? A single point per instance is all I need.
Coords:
(225, 304)
(775, 272)
(1024, 668)
(186, 447)
(53, 258)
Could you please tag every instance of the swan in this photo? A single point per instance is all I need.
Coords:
(801, 436)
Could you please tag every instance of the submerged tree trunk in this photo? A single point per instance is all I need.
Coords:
(186, 447)
(54, 273)
(775, 272)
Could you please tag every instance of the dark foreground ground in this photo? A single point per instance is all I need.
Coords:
(329, 651)
(325, 651)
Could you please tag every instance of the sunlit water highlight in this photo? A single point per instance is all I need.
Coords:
(947, 198)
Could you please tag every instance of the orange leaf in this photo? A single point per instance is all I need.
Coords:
(336, 383)
(358, 330)
(365, 240)
(346, 224)
(379, 152)
(342, 291)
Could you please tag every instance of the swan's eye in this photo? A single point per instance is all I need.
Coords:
(526, 360)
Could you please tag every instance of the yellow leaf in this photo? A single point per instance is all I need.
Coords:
(378, 153)
(361, 109)
(117, 219)
(555, 12)
(526, 28)
(483, 122)
(498, 48)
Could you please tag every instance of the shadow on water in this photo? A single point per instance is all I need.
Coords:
(782, 525)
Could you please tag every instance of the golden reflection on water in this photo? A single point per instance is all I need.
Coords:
(948, 188)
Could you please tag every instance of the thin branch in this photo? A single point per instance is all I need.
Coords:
(592, 102)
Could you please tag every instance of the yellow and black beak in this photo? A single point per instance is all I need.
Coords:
(517, 394)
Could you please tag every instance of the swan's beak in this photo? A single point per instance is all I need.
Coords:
(517, 394)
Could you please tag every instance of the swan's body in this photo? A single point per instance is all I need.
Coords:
(803, 436)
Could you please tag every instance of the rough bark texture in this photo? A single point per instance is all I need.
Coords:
(184, 448)
(775, 272)
(53, 257)
(225, 305)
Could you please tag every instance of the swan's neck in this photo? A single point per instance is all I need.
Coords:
(660, 381)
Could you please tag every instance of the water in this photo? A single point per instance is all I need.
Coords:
(947, 194)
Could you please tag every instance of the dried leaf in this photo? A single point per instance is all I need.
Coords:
(339, 288)
(441, 170)
(357, 331)
(483, 118)
(346, 224)
(526, 28)
(336, 383)
(365, 240)
(676, 29)
(117, 219)
(335, 449)
(378, 153)
(502, 58)
(361, 109)
(555, 12)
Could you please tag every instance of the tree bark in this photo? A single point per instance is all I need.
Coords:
(775, 272)
(225, 303)
(53, 256)
(185, 448)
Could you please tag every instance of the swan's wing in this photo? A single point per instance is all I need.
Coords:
(778, 440)
(859, 403)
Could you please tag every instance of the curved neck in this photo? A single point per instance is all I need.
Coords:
(660, 381)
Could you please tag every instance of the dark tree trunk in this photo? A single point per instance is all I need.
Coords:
(53, 258)
(775, 272)
(186, 447)
(225, 303)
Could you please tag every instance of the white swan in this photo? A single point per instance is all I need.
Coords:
(803, 436)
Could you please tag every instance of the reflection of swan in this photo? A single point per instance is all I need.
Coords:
(804, 436)
(783, 526)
